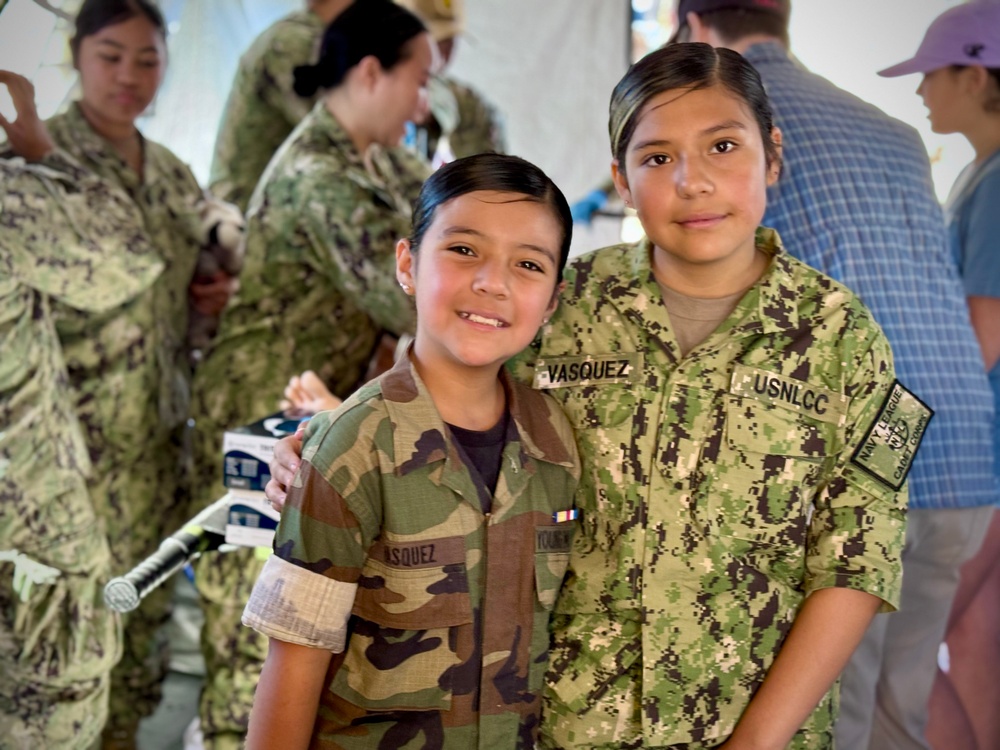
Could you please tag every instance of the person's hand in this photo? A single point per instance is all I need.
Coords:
(307, 394)
(211, 294)
(284, 464)
(222, 230)
(27, 134)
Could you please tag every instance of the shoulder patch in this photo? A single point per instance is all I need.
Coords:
(888, 449)
(776, 389)
(588, 369)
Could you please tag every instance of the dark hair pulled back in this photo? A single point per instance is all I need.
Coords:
(95, 15)
(992, 103)
(367, 27)
(499, 172)
(686, 66)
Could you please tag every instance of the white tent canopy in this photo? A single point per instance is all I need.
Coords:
(549, 66)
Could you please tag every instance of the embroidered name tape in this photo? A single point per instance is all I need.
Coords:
(888, 450)
(591, 369)
(788, 393)
(553, 538)
(429, 553)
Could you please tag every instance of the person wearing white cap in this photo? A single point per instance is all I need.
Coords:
(959, 58)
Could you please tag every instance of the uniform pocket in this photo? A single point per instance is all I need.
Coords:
(411, 601)
(60, 627)
(552, 546)
(761, 486)
(598, 406)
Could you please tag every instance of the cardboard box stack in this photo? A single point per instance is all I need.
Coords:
(246, 453)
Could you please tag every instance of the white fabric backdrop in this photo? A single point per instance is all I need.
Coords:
(550, 67)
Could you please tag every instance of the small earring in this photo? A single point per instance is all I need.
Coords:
(544, 321)
(404, 287)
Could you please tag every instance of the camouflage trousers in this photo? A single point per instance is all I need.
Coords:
(234, 654)
(139, 507)
(57, 646)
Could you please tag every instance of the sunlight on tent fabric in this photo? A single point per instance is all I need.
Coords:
(552, 77)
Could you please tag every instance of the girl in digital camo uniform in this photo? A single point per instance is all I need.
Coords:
(742, 437)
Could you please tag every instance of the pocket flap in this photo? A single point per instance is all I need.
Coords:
(415, 585)
(760, 428)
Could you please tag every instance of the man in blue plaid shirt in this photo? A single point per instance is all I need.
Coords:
(856, 201)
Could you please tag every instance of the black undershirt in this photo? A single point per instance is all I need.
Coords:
(482, 451)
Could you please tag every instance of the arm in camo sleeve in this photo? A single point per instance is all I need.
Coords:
(262, 108)
(63, 232)
(855, 543)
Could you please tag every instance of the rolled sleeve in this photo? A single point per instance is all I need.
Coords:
(857, 531)
(297, 606)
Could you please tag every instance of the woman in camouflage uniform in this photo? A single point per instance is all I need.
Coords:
(130, 369)
(317, 291)
(72, 240)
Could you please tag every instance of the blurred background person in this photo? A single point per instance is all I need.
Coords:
(317, 292)
(959, 58)
(130, 369)
(67, 238)
(263, 108)
(460, 122)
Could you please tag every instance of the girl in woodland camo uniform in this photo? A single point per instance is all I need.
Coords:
(428, 529)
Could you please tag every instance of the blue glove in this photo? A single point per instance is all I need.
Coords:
(584, 209)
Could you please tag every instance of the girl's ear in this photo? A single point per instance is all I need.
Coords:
(405, 266)
(774, 168)
(554, 302)
(621, 183)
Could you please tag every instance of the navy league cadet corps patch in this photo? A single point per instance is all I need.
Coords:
(888, 450)
(589, 369)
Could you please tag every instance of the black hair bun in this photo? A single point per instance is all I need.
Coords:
(307, 80)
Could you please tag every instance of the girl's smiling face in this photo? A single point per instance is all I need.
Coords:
(485, 278)
(696, 172)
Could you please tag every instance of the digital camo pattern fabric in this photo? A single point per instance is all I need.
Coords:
(718, 491)
(480, 125)
(471, 124)
(318, 288)
(262, 108)
(448, 632)
(318, 285)
(69, 237)
(130, 374)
